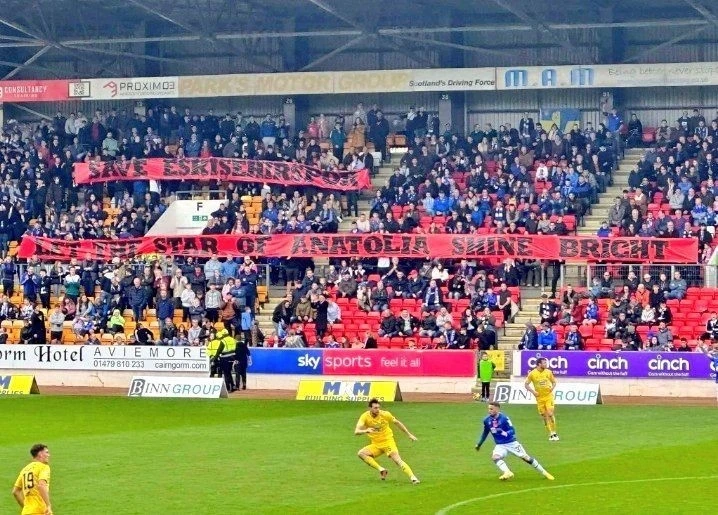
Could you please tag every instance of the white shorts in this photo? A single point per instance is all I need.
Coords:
(515, 448)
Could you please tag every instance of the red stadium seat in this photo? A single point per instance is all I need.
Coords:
(649, 134)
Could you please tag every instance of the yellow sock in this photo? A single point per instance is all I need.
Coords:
(553, 424)
(406, 469)
(371, 462)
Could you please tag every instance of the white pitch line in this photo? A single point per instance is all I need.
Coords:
(447, 509)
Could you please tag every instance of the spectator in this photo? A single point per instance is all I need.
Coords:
(57, 320)
(433, 297)
(428, 327)
(677, 287)
(143, 336)
(116, 323)
(664, 336)
(529, 340)
(634, 138)
(591, 315)
(388, 327)
(546, 339)
(712, 327)
(407, 324)
(548, 310)
(573, 339)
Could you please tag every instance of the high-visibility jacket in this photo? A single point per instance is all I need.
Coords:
(213, 347)
(230, 346)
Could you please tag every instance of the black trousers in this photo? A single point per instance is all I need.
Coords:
(240, 370)
(485, 390)
(215, 369)
(226, 364)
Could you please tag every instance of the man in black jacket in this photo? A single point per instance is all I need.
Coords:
(379, 132)
(242, 359)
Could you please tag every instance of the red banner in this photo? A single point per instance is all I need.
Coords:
(379, 362)
(569, 248)
(219, 169)
(34, 90)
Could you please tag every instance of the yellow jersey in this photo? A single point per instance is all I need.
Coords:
(27, 481)
(542, 381)
(382, 430)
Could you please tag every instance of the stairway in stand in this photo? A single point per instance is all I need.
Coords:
(531, 297)
(599, 212)
(530, 300)
(575, 273)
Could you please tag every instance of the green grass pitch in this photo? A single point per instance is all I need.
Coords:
(120, 456)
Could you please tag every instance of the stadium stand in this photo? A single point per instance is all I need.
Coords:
(528, 179)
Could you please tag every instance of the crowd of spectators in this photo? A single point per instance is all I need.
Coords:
(511, 180)
(506, 180)
(408, 303)
(672, 189)
(184, 301)
(633, 313)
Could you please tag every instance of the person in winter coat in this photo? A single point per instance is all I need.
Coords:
(388, 327)
(137, 298)
(547, 338)
(57, 318)
(30, 285)
(27, 335)
(165, 308)
(303, 311)
(212, 302)
(321, 307)
(168, 333)
(143, 336)
(242, 360)
(37, 322)
(282, 312)
(196, 310)
(116, 323)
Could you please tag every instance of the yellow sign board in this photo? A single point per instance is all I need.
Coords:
(18, 385)
(498, 357)
(353, 391)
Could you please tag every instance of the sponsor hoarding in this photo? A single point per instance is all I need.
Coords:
(18, 385)
(177, 387)
(647, 365)
(104, 357)
(124, 89)
(33, 90)
(353, 391)
(565, 393)
(607, 76)
(360, 362)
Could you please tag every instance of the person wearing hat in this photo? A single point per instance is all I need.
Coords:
(213, 347)
(227, 356)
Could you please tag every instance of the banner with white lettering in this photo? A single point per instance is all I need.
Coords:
(104, 357)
